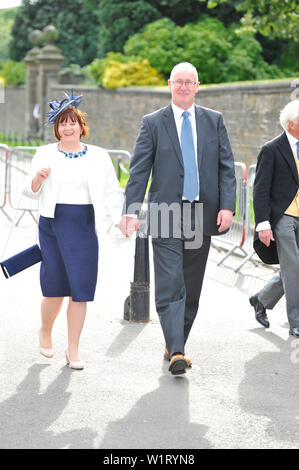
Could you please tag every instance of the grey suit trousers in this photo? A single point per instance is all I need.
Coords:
(179, 274)
(286, 234)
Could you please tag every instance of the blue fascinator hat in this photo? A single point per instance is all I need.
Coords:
(57, 106)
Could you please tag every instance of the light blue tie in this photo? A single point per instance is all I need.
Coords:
(297, 149)
(191, 189)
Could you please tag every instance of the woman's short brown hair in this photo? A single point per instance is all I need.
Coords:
(75, 115)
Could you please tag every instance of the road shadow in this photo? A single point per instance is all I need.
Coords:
(125, 337)
(25, 417)
(159, 419)
(270, 387)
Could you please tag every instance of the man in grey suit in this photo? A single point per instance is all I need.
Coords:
(276, 210)
(186, 147)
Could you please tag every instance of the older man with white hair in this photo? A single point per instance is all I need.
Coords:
(276, 209)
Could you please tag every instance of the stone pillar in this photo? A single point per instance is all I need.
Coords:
(49, 64)
(43, 65)
(31, 98)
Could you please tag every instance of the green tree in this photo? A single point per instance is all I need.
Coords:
(179, 11)
(217, 52)
(6, 22)
(120, 19)
(132, 73)
(14, 73)
(272, 18)
(77, 24)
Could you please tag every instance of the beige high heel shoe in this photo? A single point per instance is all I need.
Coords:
(47, 352)
(79, 365)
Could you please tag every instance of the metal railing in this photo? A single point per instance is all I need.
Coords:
(249, 224)
(235, 237)
(19, 163)
(121, 157)
(4, 152)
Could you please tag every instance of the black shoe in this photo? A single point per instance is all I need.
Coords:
(294, 331)
(260, 311)
(178, 364)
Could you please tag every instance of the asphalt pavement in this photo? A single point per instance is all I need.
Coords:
(241, 393)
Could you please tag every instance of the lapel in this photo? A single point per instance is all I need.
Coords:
(200, 120)
(286, 151)
(169, 123)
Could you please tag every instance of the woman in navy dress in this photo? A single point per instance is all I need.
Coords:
(73, 181)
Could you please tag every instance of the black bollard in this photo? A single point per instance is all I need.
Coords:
(137, 305)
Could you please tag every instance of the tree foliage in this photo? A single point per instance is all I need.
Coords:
(14, 73)
(132, 73)
(120, 19)
(7, 17)
(78, 28)
(217, 52)
(272, 18)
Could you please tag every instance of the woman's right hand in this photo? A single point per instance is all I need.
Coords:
(39, 178)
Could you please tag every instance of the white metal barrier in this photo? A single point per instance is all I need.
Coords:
(4, 152)
(19, 162)
(235, 237)
(249, 219)
(121, 157)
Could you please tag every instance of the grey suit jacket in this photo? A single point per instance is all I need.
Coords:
(157, 149)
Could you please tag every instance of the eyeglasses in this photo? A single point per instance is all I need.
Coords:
(180, 83)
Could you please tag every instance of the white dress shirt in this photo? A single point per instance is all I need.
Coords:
(293, 142)
(178, 122)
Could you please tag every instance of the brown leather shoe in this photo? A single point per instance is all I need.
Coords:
(178, 364)
(167, 358)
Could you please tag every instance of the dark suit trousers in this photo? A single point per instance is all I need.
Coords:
(179, 275)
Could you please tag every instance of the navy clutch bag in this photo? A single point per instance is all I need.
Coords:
(21, 261)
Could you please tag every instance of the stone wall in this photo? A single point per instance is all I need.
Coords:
(12, 111)
(251, 112)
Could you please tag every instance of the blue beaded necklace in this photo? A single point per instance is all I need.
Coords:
(74, 154)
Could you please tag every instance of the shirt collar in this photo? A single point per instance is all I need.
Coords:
(178, 111)
(292, 140)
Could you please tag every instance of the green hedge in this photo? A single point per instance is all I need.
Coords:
(13, 72)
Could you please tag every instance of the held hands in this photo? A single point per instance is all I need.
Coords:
(39, 178)
(266, 236)
(128, 225)
(224, 219)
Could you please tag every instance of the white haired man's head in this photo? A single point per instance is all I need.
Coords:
(183, 84)
(184, 66)
(289, 117)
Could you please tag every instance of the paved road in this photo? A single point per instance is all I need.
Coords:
(242, 391)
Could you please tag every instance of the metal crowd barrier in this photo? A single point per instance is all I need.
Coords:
(249, 219)
(121, 157)
(4, 152)
(18, 168)
(235, 238)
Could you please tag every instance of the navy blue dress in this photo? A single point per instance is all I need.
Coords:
(69, 247)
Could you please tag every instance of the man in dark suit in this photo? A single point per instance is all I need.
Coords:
(276, 209)
(186, 147)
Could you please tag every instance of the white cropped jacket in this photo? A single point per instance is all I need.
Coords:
(102, 181)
